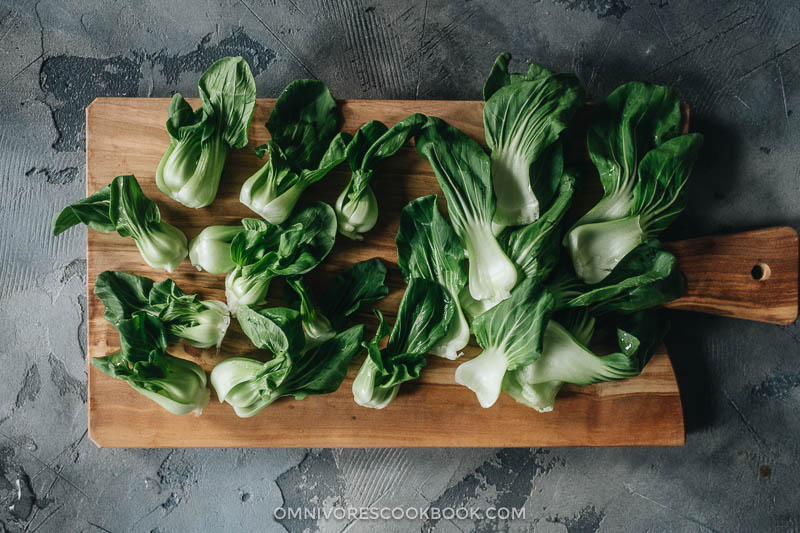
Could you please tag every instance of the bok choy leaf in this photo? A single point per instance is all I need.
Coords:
(201, 323)
(535, 248)
(356, 207)
(523, 121)
(511, 335)
(123, 207)
(177, 385)
(264, 251)
(566, 359)
(359, 284)
(295, 369)
(646, 277)
(428, 248)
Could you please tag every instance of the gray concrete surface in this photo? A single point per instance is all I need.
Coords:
(736, 63)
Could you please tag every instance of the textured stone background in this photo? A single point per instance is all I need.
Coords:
(736, 63)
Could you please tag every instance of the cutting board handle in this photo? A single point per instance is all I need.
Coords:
(751, 275)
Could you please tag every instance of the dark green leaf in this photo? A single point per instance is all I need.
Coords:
(500, 77)
(423, 318)
(359, 284)
(114, 365)
(362, 141)
(182, 120)
(130, 210)
(646, 277)
(522, 122)
(633, 120)
(141, 335)
(303, 122)
(462, 170)
(515, 327)
(92, 211)
(535, 248)
(322, 370)
(277, 329)
(122, 294)
(660, 193)
(228, 93)
(428, 248)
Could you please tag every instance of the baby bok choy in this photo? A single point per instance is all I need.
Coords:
(211, 249)
(190, 170)
(511, 335)
(423, 319)
(644, 166)
(123, 207)
(462, 170)
(428, 248)
(357, 207)
(177, 385)
(304, 147)
(201, 323)
(565, 358)
(524, 117)
(265, 251)
(293, 370)
(359, 284)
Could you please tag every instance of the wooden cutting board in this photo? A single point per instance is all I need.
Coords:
(127, 135)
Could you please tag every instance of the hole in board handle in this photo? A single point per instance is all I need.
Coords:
(761, 272)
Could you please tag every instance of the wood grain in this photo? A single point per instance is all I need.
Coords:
(128, 136)
(751, 275)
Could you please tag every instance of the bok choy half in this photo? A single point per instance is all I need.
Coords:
(524, 117)
(356, 207)
(123, 207)
(565, 358)
(463, 172)
(190, 170)
(644, 166)
(250, 385)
